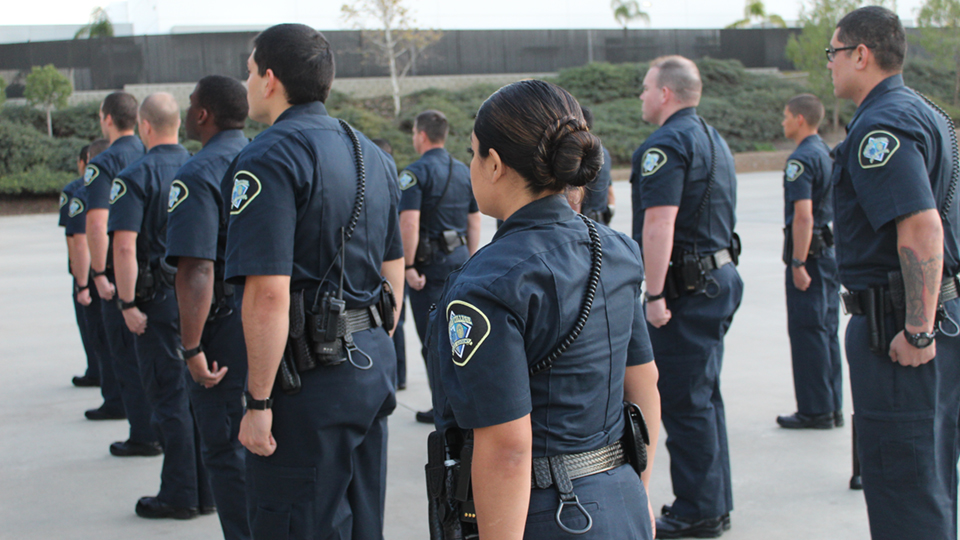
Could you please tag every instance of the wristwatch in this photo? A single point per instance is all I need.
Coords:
(920, 340)
(654, 297)
(123, 306)
(186, 354)
(251, 404)
(797, 263)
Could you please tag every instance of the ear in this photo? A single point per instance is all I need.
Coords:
(863, 54)
(203, 116)
(272, 85)
(496, 169)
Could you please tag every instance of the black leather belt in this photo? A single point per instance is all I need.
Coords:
(579, 465)
(854, 302)
(716, 260)
(358, 320)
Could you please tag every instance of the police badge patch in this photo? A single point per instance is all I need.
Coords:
(468, 328)
(90, 174)
(76, 207)
(407, 180)
(794, 170)
(653, 159)
(63, 199)
(246, 187)
(876, 149)
(117, 189)
(178, 194)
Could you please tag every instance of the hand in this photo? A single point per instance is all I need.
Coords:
(255, 432)
(206, 377)
(105, 289)
(83, 297)
(801, 279)
(653, 518)
(414, 279)
(657, 313)
(136, 320)
(906, 354)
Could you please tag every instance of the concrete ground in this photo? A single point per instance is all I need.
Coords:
(57, 479)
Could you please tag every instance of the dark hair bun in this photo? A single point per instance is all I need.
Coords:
(567, 155)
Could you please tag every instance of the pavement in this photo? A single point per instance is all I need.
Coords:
(58, 480)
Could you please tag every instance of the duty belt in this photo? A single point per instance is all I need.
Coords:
(358, 320)
(854, 301)
(716, 260)
(578, 465)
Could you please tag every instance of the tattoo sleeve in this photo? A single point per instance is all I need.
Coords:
(905, 216)
(920, 279)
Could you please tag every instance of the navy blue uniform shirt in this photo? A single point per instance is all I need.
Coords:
(509, 306)
(139, 199)
(102, 169)
(195, 201)
(73, 208)
(807, 176)
(895, 160)
(423, 183)
(672, 168)
(595, 194)
(293, 189)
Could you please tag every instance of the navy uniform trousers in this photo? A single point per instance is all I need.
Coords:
(813, 321)
(603, 496)
(99, 363)
(907, 436)
(88, 334)
(123, 353)
(218, 412)
(421, 301)
(183, 482)
(689, 352)
(328, 475)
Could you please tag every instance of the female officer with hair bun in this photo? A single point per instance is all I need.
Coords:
(517, 357)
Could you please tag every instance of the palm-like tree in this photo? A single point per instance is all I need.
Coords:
(99, 26)
(756, 13)
(627, 11)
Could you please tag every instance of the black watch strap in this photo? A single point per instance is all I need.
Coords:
(797, 263)
(94, 273)
(256, 404)
(186, 354)
(920, 340)
(123, 306)
(655, 297)
(85, 287)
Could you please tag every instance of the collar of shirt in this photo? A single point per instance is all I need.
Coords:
(165, 149)
(226, 135)
(550, 209)
(313, 107)
(439, 152)
(689, 111)
(890, 83)
(125, 140)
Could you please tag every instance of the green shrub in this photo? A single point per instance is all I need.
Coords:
(36, 181)
(23, 149)
(81, 121)
(598, 81)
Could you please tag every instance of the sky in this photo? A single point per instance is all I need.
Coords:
(160, 16)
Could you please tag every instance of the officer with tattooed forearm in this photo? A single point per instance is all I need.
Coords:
(895, 178)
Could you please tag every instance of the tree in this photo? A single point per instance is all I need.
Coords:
(627, 11)
(397, 42)
(48, 88)
(819, 19)
(98, 27)
(939, 23)
(755, 13)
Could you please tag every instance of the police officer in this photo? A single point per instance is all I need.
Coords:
(510, 306)
(138, 218)
(438, 218)
(684, 197)
(813, 300)
(211, 331)
(599, 202)
(73, 214)
(307, 238)
(894, 179)
(118, 118)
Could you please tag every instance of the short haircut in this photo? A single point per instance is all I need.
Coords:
(122, 107)
(84, 154)
(300, 57)
(96, 147)
(680, 75)
(879, 29)
(809, 107)
(161, 111)
(225, 98)
(384, 145)
(587, 116)
(434, 124)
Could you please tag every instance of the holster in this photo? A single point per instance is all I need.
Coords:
(451, 512)
(146, 287)
(685, 275)
(424, 252)
(820, 240)
(387, 305)
(636, 438)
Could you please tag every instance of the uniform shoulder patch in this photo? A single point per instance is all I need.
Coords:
(117, 189)
(407, 180)
(76, 207)
(63, 199)
(246, 187)
(794, 170)
(876, 149)
(652, 160)
(178, 194)
(90, 174)
(468, 328)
